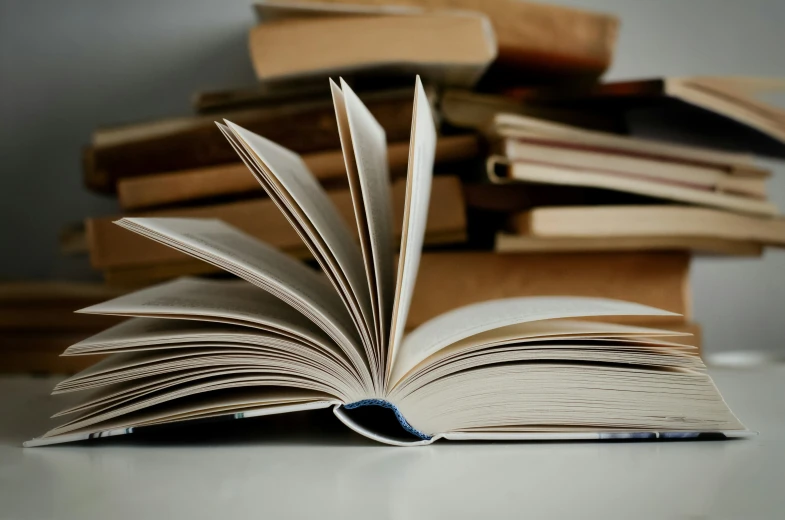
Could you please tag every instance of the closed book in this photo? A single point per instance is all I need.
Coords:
(535, 151)
(32, 352)
(537, 39)
(194, 141)
(648, 221)
(727, 113)
(307, 43)
(48, 306)
(113, 247)
(233, 179)
(514, 243)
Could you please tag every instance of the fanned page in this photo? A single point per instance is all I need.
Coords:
(287, 180)
(365, 153)
(422, 149)
(470, 320)
(286, 278)
(235, 302)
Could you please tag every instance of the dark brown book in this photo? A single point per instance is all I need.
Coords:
(195, 142)
(49, 306)
(234, 179)
(718, 112)
(39, 353)
(113, 247)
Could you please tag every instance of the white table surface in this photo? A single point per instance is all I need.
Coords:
(344, 476)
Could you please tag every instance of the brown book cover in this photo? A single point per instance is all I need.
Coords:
(39, 353)
(234, 179)
(448, 280)
(510, 243)
(728, 113)
(59, 319)
(112, 246)
(48, 306)
(537, 39)
(194, 142)
(445, 48)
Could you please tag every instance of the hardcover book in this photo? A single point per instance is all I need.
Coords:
(289, 338)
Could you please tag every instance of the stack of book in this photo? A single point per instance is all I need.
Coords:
(37, 323)
(537, 189)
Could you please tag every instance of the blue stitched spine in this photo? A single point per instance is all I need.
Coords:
(386, 404)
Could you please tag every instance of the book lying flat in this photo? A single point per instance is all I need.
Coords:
(514, 243)
(192, 142)
(533, 150)
(500, 170)
(722, 112)
(536, 40)
(166, 188)
(113, 247)
(468, 109)
(303, 42)
(648, 221)
(288, 338)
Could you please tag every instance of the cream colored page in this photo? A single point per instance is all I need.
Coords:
(309, 204)
(264, 266)
(358, 205)
(463, 322)
(231, 300)
(547, 174)
(515, 125)
(422, 148)
(368, 144)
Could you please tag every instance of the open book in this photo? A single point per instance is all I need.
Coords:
(289, 338)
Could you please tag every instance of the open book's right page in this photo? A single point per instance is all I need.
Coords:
(422, 148)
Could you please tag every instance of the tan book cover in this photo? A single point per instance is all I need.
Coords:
(448, 48)
(111, 246)
(452, 279)
(232, 179)
(534, 36)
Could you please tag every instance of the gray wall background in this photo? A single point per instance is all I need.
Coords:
(67, 67)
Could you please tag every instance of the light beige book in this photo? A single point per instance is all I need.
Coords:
(533, 150)
(305, 41)
(703, 177)
(500, 170)
(648, 221)
(540, 40)
(289, 338)
(517, 126)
